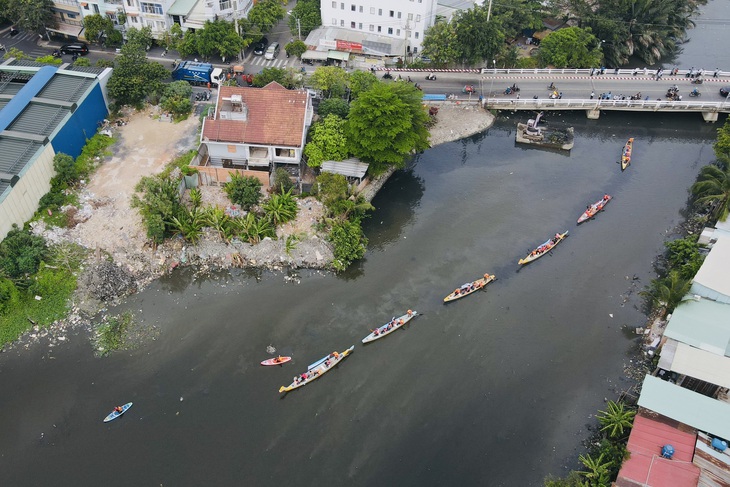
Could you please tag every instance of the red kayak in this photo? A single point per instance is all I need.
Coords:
(276, 361)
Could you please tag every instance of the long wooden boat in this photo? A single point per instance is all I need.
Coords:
(317, 369)
(470, 287)
(594, 208)
(390, 326)
(544, 248)
(626, 154)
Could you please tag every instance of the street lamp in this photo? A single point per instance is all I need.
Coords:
(494, 63)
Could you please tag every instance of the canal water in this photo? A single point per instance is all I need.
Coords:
(497, 389)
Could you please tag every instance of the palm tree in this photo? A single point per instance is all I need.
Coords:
(667, 292)
(713, 187)
(281, 208)
(597, 470)
(616, 419)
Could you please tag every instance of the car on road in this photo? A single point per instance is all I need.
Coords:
(260, 47)
(273, 51)
(724, 91)
(75, 48)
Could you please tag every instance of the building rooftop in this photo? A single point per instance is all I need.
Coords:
(271, 115)
(646, 466)
(712, 280)
(324, 39)
(703, 324)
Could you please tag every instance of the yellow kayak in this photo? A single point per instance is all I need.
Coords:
(470, 287)
(544, 248)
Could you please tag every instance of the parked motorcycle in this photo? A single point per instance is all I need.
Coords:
(696, 81)
(431, 77)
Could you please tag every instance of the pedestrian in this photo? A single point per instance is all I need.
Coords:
(645, 70)
(716, 73)
(636, 71)
(615, 71)
(560, 95)
(603, 69)
(592, 71)
(592, 95)
(518, 96)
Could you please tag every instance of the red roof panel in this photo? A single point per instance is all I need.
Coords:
(646, 467)
(275, 117)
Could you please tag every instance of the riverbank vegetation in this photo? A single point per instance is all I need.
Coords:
(606, 32)
(112, 333)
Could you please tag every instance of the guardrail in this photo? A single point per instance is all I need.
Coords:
(588, 104)
(684, 73)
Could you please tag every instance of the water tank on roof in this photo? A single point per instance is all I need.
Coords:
(718, 444)
(667, 451)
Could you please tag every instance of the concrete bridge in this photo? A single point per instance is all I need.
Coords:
(581, 89)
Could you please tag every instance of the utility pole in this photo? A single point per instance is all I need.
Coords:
(299, 29)
(489, 10)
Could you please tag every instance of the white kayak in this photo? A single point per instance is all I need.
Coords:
(390, 326)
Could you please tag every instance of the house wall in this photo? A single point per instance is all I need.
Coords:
(239, 153)
(19, 203)
(400, 19)
(82, 124)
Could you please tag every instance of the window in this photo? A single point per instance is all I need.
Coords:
(359, 26)
(334, 21)
(379, 29)
(390, 30)
(134, 19)
(130, 3)
(380, 12)
(398, 14)
(225, 4)
(410, 16)
(342, 6)
(360, 8)
(96, 9)
(353, 8)
(372, 10)
(416, 35)
(334, 4)
(415, 50)
(392, 13)
(418, 17)
(352, 25)
(86, 6)
(372, 28)
(397, 32)
(342, 23)
(151, 8)
(408, 34)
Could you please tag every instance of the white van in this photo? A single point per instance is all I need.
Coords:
(273, 51)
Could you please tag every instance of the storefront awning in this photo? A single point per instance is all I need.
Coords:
(338, 55)
(315, 55)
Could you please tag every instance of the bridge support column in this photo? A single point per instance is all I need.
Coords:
(709, 116)
(593, 113)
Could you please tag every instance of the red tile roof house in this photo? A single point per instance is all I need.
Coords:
(254, 131)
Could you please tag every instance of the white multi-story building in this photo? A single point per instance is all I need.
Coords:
(400, 19)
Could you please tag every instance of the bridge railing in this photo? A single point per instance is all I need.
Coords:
(588, 104)
(607, 72)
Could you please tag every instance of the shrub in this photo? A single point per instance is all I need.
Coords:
(9, 294)
(176, 99)
(334, 106)
(331, 187)
(282, 181)
(349, 243)
(158, 205)
(684, 256)
(244, 191)
(112, 332)
(21, 253)
(281, 208)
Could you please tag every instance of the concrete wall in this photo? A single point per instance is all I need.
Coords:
(82, 124)
(19, 203)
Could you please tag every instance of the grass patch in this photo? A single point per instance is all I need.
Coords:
(179, 162)
(111, 333)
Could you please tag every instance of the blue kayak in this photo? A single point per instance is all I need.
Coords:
(115, 414)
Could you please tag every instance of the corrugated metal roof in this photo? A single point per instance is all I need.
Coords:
(350, 167)
(714, 465)
(704, 324)
(39, 119)
(702, 365)
(712, 279)
(646, 466)
(181, 7)
(66, 88)
(688, 407)
(14, 155)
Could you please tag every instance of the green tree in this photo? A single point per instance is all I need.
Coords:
(327, 141)
(667, 292)
(684, 256)
(478, 40)
(713, 188)
(722, 145)
(616, 419)
(9, 294)
(97, 27)
(158, 204)
(243, 190)
(21, 253)
(189, 224)
(331, 80)
(187, 45)
(295, 48)
(31, 15)
(349, 243)
(254, 229)
(219, 37)
(386, 123)
(81, 62)
(571, 47)
(596, 473)
(333, 106)
(305, 17)
(331, 188)
(266, 14)
(358, 82)
(16, 53)
(440, 44)
(514, 16)
(282, 181)
(135, 77)
(281, 208)
(176, 98)
(49, 59)
(285, 77)
(67, 172)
